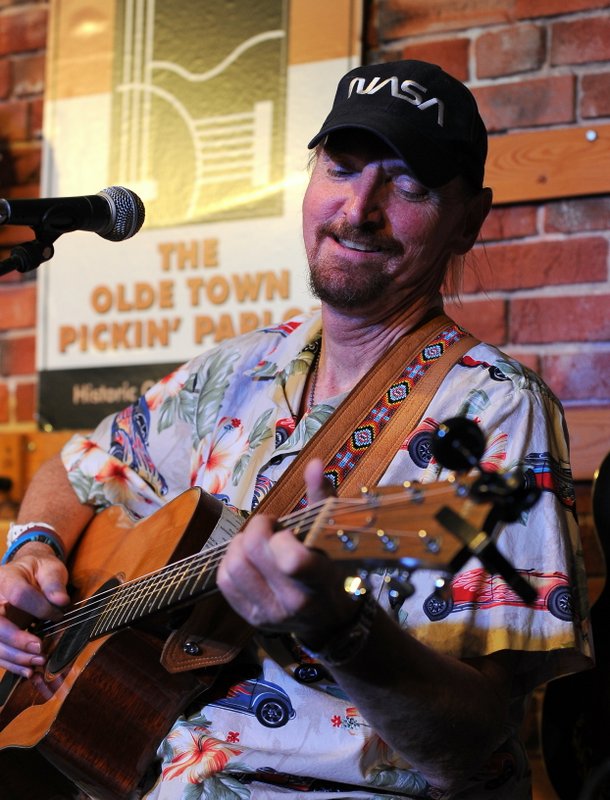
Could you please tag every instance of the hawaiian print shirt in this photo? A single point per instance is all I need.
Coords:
(225, 421)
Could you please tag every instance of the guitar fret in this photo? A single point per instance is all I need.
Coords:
(145, 596)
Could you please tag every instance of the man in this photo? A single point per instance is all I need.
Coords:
(404, 701)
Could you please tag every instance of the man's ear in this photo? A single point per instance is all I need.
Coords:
(477, 209)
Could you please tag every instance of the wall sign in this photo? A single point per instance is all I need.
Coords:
(204, 110)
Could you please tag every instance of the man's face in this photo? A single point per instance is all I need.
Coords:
(375, 237)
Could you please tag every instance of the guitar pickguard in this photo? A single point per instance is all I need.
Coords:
(75, 637)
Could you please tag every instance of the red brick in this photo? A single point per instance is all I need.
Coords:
(4, 403)
(577, 214)
(579, 41)
(595, 95)
(543, 263)
(23, 29)
(528, 9)
(11, 235)
(14, 118)
(36, 117)
(18, 306)
(519, 48)
(578, 376)
(21, 164)
(29, 75)
(524, 103)
(486, 319)
(371, 28)
(577, 318)
(25, 401)
(401, 18)
(18, 356)
(450, 54)
(6, 83)
(25, 191)
(509, 222)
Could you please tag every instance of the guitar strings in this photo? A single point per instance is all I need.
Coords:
(168, 573)
(86, 609)
(204, 563)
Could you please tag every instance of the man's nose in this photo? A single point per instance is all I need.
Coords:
(365, 202)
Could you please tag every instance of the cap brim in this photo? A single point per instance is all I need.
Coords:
(432, 164)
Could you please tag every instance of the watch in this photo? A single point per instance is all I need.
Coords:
(348, 641)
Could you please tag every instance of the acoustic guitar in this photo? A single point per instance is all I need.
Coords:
(576, 708)
(94, 717)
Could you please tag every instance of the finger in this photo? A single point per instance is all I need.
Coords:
(318, 485)
(239, 577)
(251, 579)
(52, 578)
(26, 596)
(20, 651)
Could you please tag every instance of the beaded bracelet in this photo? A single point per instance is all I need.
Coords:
(34, 535)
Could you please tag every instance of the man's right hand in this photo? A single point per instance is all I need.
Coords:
(32, 586)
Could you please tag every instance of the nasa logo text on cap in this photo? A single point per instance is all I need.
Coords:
(429, 118)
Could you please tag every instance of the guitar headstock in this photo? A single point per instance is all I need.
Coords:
(436, 525)
(397, 525)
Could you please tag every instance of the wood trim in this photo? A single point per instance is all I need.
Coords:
(549, 163)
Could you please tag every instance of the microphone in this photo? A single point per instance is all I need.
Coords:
(114, 213)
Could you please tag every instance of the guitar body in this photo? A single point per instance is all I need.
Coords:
(100, 718)
(93, 719)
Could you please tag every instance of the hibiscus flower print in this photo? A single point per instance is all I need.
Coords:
(229, 442)
(166, 387)
(83, 452)
(195, 755)
(120, 484)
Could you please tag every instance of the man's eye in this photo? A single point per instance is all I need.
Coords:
(410, 187)
(337, 171)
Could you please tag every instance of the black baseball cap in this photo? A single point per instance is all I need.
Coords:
(429, 118)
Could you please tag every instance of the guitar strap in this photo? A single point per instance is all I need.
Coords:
(357, 444)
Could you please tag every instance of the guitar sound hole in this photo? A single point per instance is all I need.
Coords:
(77, 635)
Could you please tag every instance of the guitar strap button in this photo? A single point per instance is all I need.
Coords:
(191, 648)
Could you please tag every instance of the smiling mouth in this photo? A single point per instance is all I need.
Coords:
(361, 247)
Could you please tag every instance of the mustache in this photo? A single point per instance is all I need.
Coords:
(365, 235)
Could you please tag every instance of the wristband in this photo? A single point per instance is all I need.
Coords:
(15, 531)
(34, 535)
(347, 643)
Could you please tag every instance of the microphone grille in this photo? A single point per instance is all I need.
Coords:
(127, 213)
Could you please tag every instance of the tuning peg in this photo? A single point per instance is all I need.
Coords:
(399, 588)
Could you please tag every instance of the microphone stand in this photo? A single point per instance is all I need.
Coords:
(30, 255)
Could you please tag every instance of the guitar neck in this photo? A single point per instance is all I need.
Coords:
(398, 525)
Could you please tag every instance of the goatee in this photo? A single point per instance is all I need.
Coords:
(348, 294)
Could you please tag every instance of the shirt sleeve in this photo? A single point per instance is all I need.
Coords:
(138, 457)
(481, 614)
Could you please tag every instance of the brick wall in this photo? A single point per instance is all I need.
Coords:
(539, 284)
(540, 287)
(23, 32)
